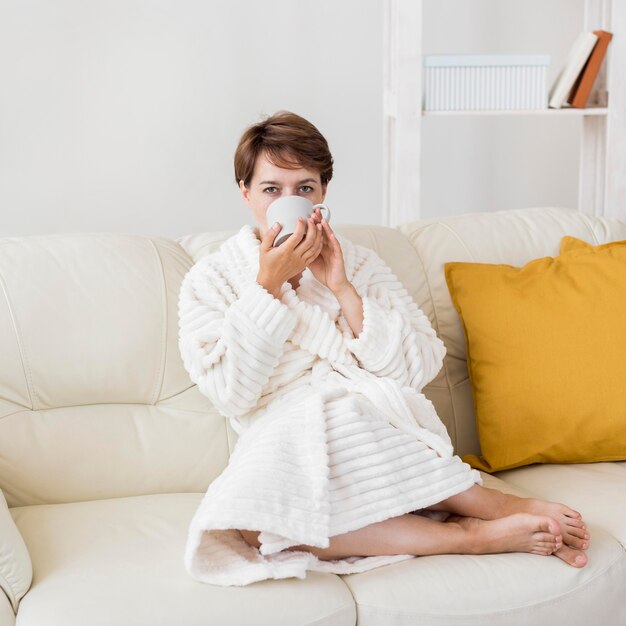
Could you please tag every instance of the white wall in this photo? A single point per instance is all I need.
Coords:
(506, 162)
(123, 115)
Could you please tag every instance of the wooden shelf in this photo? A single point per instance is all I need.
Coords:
(568, 111)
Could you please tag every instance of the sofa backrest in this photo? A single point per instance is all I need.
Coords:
(94, 400)
(513, 237)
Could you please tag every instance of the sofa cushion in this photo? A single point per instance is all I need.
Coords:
(70, 454)
(7, 616)
(596, 490)
(120, 561)
(91, 376)
(511, 589)
(95, 321)
(545, 349)
(16, 570)
(514, 237)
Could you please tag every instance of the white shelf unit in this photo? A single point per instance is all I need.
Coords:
(602, 159)
(568, 111)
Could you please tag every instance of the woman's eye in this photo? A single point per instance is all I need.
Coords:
(270, 189)
(306, 188)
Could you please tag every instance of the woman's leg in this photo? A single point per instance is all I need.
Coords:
(486, 522)
(489, 504)
(419, 535)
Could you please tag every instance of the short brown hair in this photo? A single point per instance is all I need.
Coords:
(289, 140)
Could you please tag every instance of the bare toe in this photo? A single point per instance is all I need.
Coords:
(574, 522)
(572, 527)
(577, 532)
(573, 557)
(553, 527)
(576, 537)
(575, 542)
(543, 548)
(565, 515)
(567, 511)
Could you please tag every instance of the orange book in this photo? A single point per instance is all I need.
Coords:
(582, 87)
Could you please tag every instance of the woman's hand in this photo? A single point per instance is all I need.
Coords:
(276, 265)
(330, 270)
(329, 267)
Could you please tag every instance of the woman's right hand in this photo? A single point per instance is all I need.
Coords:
(276, 265)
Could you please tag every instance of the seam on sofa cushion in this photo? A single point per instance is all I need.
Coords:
(590, 227)
(15, 413)
(432, 302)
(450, 385)
(324, 619)
(447, 226)
(621, 557)
(25, 368)
(6, 588)
(178, 393)
(461, 382)
(160, 374)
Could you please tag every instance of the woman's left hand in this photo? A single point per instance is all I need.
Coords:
(328, 267)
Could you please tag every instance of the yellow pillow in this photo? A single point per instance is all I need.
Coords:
(546, 354)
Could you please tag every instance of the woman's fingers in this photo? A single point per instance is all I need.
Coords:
(268, 239)
(320, 241)
(296, 237)
(332, 240)
(317, 214)
(312, 231)
(311, 238)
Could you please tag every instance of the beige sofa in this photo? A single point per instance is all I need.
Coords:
(106, 448)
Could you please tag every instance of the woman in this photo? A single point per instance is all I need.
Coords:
(317, 355)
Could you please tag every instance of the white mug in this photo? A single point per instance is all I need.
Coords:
(287, 210)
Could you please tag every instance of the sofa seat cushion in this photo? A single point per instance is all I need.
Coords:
(7, 616)
(596, 490)
(512, 589)
(120, 561)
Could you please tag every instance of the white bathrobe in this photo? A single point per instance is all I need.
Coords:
(334, 433)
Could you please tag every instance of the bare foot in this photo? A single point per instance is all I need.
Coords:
(572, 527)
(520, 532)
(573, 557)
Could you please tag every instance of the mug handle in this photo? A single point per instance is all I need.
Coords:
(322, 208)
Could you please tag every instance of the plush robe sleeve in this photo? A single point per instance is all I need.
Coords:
(397, 339)
(230, 344)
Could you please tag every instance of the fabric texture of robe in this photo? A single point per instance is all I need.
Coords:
(334, 432)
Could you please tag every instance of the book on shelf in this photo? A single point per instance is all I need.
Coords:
(578, 55)
(582, 87)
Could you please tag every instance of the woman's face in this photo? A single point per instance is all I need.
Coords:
(270, 182)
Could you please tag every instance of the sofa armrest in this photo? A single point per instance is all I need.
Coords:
(16, 570)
